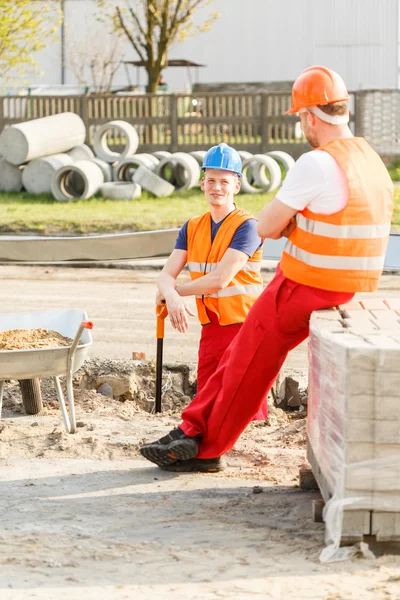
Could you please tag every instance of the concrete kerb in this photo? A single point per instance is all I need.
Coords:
(267, 266)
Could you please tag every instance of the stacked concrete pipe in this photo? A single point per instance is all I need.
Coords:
(181, 170)
(38, 173)
(10, 177)
(124, 129)
(78, 181)
(23, 142)
(124, 169)
(257, 165)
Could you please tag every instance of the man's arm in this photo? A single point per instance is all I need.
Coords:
(275, 220)
(228, 267)
(166, 284)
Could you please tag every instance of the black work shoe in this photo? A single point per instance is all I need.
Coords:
(199, 465)
(172, 447)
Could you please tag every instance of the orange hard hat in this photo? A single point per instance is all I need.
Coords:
(317, 85)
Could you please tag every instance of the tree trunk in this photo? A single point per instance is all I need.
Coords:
(153, 74)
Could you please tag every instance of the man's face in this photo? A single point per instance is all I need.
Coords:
(219, 187)
(307, 120)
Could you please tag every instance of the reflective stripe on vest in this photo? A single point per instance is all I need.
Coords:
(235, 290)
(232, 304)
(342, 231)
(354, 263)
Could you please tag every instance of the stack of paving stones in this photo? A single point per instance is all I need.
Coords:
(353, 422)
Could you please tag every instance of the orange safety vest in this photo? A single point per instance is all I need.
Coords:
(232, 303)
(345, 251)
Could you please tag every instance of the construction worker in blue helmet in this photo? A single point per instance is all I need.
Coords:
(223, 252)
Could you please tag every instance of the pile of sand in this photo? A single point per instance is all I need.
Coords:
(23, 339)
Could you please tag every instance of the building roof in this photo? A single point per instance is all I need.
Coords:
(174, 62)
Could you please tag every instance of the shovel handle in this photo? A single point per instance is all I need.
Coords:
(161, 312)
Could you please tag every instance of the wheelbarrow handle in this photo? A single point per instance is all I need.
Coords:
(161, 313)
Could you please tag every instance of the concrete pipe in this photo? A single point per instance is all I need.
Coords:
(125, 129)
(284, 160)
(181, 170)
(285, 163)
(244, 155)
(105, 167)
(160, 154)
(37, 175)
(82, 152)
(23, 142)
(121, 190)
(199, 156)
(124, 170)
(257, 163)
(10, 177)
(152, 183)
(78, 181)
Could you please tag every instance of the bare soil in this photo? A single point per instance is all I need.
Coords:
(83, 516)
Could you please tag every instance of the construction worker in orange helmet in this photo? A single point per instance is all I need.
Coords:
(222, 252)
(335, 208)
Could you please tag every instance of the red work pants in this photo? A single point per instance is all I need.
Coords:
(214, 340)
(277, 323)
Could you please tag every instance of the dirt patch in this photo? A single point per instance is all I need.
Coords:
(23, 339)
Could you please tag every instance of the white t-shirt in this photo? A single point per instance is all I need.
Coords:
(315, 182)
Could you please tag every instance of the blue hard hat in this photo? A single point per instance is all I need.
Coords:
(223, 157)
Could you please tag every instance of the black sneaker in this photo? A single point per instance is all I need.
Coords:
(199, 465)
(172, 447)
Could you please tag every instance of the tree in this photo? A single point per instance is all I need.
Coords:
(152, 27)
(25, 28)
(95, 57)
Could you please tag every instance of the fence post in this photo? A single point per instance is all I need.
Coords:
(84, 110)
(174, 122)
(264, 122)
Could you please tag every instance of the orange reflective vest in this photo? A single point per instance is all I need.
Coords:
(232, 303)
(345, 251)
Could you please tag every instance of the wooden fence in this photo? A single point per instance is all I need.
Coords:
(183, 122)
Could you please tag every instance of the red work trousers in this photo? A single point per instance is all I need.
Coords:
(214, 340)
(277, 323)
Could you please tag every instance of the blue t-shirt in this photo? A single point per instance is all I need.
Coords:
(245, 239)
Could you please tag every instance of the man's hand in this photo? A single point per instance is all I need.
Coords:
(178, 311)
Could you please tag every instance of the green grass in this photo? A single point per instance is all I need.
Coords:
(22, 212)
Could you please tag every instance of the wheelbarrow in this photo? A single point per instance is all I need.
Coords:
(33, 363)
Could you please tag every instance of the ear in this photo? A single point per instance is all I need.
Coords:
(237, 186)
(202, 183)
(311, 118)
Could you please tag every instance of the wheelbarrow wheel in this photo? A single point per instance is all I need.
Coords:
(31, 396)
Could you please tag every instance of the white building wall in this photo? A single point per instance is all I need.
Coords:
(265, 40)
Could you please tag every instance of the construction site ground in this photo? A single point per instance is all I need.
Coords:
(83, 516)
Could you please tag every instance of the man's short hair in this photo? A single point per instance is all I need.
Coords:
(335, 108)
